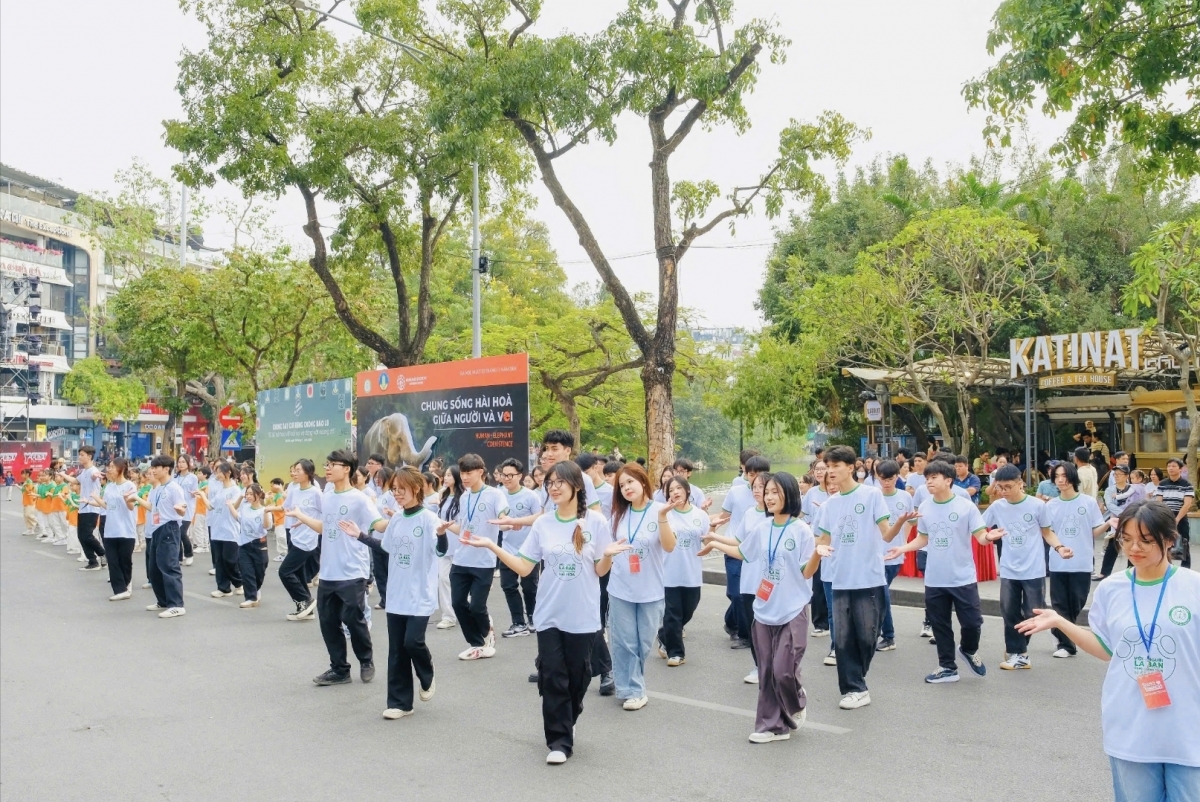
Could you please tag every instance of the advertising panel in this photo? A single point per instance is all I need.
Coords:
(302, 422)
(18, 455)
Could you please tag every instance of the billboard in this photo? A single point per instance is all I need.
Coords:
(411, 415)
(16, 456)
(305, 421)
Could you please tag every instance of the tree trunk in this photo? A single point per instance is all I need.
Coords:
(910, 420)
(660, 416)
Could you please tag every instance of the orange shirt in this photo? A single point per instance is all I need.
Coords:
(276, 500)
(202, 499)
(57, 502)
(143, 491)
(28, 493)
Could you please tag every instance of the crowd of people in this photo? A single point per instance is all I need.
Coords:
(604, 566)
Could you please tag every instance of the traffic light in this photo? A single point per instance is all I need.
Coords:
(34, 301)
(33, 343)
(483, 265)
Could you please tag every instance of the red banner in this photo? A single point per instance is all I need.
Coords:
(16, 456)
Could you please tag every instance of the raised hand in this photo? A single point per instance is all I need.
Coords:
(350, 528)
(1041, 621)
(616, 548)
(891, 554)
(826, 550)
(995, 534)
(503, 520)
(469, 539)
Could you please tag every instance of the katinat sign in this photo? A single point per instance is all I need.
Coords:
(1116, 349)
(16, 218)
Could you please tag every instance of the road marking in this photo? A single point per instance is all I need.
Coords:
(202, 597)
(48, 554)
(737, 711)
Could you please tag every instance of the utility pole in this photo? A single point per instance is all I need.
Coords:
(476, 331)
(183, 228)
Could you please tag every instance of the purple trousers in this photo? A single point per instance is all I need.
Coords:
(780, 687)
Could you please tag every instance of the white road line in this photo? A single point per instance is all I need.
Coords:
(737, 711)
(48, 554)
(202, 597)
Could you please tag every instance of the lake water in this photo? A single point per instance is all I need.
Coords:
(710, 481)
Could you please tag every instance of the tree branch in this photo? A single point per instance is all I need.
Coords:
(700, 106)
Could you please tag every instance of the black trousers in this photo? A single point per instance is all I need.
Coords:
(225, 560)
(965, 602)
(379, 564)
(748, 615)
(166, 577)
(252, 564)
(407, 654)
(293, 573)
(1068, 596)
(120, 562)
(857, 619)
(85, 529)
(1183, 546)
(1109, 561)
(185, 542)
(820, 610)
(735, 617)
(520, 592)
(680, 606)
(313, 568)
(469, 589)
(1018, 599)
(344, 601)
(564, 672)
(601, 656)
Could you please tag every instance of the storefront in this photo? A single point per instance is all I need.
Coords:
(195, 431)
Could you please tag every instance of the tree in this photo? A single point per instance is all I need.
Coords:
(277, 102)
(1167, 280)
(89, 383)
(1124, 67)
(677, 70)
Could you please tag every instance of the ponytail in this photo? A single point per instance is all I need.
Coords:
(581, 502)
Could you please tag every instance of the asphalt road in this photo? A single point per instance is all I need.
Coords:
(101, 700)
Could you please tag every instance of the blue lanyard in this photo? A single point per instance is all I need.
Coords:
(636, 529)
(470, 509)
(773, 550)
(1147, 639)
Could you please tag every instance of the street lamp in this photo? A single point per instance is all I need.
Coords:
(420, 56)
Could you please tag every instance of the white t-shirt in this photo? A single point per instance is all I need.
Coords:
(163, 500)
(751, 572)
(791, 546)
(121, 521)
(922, 495)
(1022, 555)
(345, 557)
(1131, 731)
(898, 503)
(812, 502)
(568, 594)
(475, 510)
(221, 523)
(683, 568)
(913, 481)
(523, 502)
(189, 484)
(605, 491)
(452, 543)
(950, 527)
(640, 528)
(737, 501)
(250, 524)
(432, 502)
(411, 544)
(1073, 522)
(852, 521)
(89, 485)
(308, 501)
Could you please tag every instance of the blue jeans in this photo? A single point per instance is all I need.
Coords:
(889, 630)
(1154, 782)
(632, 627)
(828, 586)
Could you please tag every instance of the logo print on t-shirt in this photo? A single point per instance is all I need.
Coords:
(789, 544)
(404, 554)
(859, 509)
(953, 516)
(1027, 517)
(418, 531)
(1082, 512)
(565, 565)
(1180, 615)
(939, 536)
(1135, 660)
(847, 529)
(343, 510)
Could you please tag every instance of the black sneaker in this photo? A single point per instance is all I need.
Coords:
(942, 675)
(515, 631)
(91, 567)
(367, 672)
(533, 677)
(103, 562)
(974, 662)
(608, 685)
(331, 677)
(740, 644)
(886, 645)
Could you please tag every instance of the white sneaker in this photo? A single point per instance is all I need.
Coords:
(62, 541)
(490, 640)
(803, 718)
(426, 695)
(146, 586)
(1014, 662)
(81, 559)
(173, 612)
(278, 558)
(447, 623)
(188, 560)
(220, 594)
(153, 607)
(393, 713)
(636, 704)
(926, 631)
(120, 596)
(675, 661)
(768, 737)
(1061, 652)
(751, 678)
(473, 653)
(240, 591)
(820, 633)
(830, 659)
(556, 758)
(212, 571)
(248, 603)
(855, 700)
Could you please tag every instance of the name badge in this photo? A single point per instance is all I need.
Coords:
(157, 519)
(764, 589)
(1154, 690)
(635, 564)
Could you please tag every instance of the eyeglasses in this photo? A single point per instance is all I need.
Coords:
(510, 475)
(555, 484)
(336, 464)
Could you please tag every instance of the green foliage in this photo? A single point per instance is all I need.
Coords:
(89, 383)
(1121, 67)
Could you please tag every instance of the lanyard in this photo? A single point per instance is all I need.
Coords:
(773, 550)
(1147, 639)
(636, 529)
(470, 509)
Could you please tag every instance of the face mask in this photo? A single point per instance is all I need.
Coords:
(862, 474)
